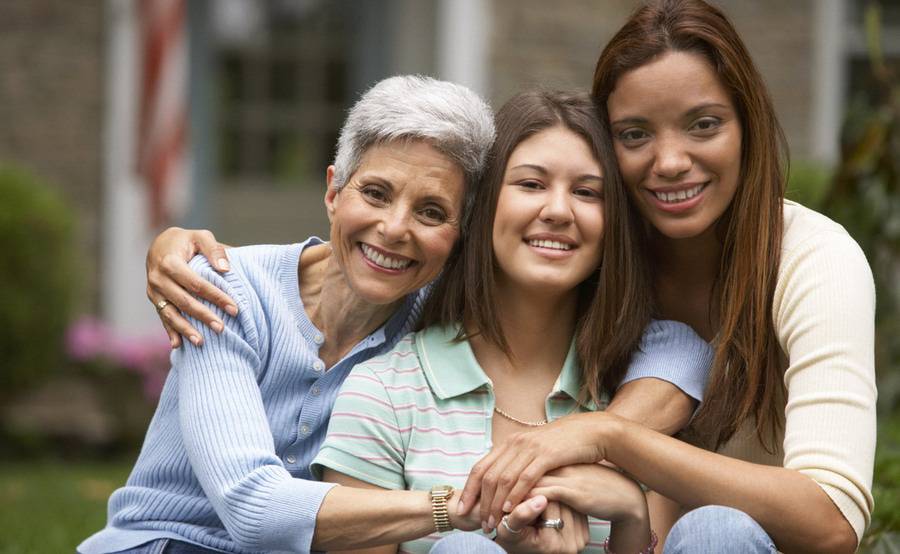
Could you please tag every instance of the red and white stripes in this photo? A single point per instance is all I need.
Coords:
(162, 156)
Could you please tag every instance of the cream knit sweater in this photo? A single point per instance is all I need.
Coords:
(824, 313)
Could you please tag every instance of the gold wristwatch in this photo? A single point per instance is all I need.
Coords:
(440, 495)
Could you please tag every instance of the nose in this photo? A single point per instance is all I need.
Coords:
(394, 225)
(557, 209)
(672, 159)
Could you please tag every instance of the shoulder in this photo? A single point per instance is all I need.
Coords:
(805, 228)
(398, 371)
(814, 246)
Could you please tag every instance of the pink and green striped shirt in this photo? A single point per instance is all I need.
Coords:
(421, 414)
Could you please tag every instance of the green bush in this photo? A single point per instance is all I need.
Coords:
(35, 278)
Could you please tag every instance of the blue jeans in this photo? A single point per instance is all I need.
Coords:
(168, 546)
(718, 529)
(469, 543)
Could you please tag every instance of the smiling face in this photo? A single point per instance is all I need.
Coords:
(548, 225)
(677, 138)
(396, 220)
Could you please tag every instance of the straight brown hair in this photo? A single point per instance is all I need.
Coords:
(466, 290)
(746, 376)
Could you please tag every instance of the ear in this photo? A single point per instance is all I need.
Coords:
(331, 193)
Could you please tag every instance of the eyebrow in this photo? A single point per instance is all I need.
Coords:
(543, 171)
(690, 112)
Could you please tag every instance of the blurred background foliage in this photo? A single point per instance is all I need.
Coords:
(863, 194)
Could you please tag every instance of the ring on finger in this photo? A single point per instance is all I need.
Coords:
(552, 523)
(504, 521)
(161, 305)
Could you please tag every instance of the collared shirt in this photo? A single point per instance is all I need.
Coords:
(225, 461)
(421, 415)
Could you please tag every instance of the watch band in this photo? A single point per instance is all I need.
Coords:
(440, 494)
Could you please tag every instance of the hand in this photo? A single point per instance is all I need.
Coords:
(596, 490)
(169, 278)
(603, 493)
(522, 534)
(507, 473)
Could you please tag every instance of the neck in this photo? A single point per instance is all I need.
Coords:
(694, 259)
(332, 306)
(538, 329)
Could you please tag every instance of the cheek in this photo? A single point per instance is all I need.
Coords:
(439, 246)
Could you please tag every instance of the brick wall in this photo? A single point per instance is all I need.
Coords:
(556, 43)
(51, 100)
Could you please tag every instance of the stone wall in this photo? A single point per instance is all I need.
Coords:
(51, 108)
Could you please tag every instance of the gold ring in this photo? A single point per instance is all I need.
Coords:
(161, 305)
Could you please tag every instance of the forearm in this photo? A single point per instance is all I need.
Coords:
(358, 518)
(654, 403)
(794, 510)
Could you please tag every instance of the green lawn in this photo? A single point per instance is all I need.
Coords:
(49, 507)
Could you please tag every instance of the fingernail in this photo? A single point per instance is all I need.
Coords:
(484, 527)
(491, 523)
(174, 343)
(537, 502)
(223, 264)
(231, 309)
(216, 326)
(507, 506)
(195, 339)
(459, 508)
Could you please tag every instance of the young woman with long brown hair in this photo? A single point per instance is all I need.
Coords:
(784, 294)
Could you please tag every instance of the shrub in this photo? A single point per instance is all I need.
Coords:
(36, 279)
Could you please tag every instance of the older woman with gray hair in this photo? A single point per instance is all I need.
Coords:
(224, 466)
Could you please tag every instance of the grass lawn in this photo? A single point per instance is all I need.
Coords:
(50, 507)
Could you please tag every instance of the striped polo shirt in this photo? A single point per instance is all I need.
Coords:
(421, 415)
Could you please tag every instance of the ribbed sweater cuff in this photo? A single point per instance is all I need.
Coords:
(290, 521)
(673, 352)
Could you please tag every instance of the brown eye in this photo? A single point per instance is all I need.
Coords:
(632, 135)
(433, 215)
(374, 193)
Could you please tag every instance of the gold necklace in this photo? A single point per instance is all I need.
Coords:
(519, 421)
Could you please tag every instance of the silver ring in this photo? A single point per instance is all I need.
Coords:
(161, 305)
(552, 523)
(504, 521)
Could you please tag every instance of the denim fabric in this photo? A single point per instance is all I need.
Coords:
(168, 546)
(718, 529)
(469, 543)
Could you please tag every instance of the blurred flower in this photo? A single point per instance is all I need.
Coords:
(91, 341)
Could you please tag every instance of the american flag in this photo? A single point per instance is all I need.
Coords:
(162, 157)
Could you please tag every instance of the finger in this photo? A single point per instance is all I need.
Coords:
(497, 481)
(527, 513)
(174, 321)
(528, 475)
(174, 269)
(212, 250)
(174, 337)
(489, 469)
(571, 534)
(472, 489)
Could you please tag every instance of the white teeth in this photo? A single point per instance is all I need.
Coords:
(680, 195)
(555, 245)
(381, 260)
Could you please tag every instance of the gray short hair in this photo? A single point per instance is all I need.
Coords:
(452, 118)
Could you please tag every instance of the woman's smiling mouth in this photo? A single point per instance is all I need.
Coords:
(383, 259)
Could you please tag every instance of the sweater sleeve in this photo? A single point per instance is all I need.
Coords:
(227, 435)
(673, 352)
(824, 312)
(364, 436)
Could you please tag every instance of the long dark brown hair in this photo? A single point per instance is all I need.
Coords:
(466, 291)
(746, 376)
